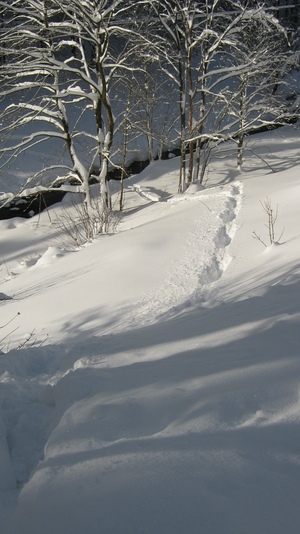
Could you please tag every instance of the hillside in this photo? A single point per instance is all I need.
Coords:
(149, 381)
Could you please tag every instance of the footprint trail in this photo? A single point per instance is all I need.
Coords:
(206, 256)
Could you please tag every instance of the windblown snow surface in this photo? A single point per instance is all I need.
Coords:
(149, 382)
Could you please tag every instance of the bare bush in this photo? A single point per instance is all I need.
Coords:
(81, 223)
(2, 346)
(272, 218)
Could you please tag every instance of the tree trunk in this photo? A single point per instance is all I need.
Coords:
(242, 120)
(182, 97)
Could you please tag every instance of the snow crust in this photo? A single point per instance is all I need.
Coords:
(149, 382)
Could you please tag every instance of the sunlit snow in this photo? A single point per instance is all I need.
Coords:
(149, 382)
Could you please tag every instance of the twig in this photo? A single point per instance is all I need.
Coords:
(259, 239)
(22, 345)
(9, 334)
(6, 324)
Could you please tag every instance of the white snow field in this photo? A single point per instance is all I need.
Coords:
(149, 382)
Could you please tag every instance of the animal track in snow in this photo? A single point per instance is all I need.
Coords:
(211, 272)
(231, 203)
(227, 216)
(222, 239)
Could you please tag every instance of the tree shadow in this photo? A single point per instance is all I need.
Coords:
(201, 408)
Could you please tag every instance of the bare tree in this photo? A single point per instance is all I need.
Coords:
(224, 59)
(65, 59)
(170, 48)
(198, 35)
(255, 102)
(61, 58)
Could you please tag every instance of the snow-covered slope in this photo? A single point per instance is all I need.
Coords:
(149, 382)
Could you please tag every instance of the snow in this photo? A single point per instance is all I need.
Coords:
(149, 382)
